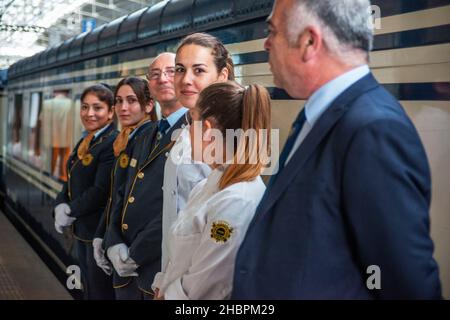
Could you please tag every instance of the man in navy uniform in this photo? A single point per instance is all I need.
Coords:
(347, 214)
(135, 235)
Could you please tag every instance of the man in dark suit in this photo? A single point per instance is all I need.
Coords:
(347, 214)
(135, 234)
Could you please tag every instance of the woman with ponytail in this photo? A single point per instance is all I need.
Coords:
(204, 239)
(82, 200)
(136, 113)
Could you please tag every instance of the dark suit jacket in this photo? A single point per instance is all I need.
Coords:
(137, 216)
(356, 193)
(86, 189)
(119, 176)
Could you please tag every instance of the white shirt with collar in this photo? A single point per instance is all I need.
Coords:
(204, 239)
(181, 175)
(322, 99)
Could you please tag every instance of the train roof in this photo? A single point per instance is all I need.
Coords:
(169, 19)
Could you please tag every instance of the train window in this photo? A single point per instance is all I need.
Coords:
(25, 116)
(34, 130)
(15, 126)
(56, 133)
(77, 124)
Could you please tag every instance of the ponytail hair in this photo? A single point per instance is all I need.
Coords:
(228, 105)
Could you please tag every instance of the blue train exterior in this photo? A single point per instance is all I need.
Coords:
(411, 58)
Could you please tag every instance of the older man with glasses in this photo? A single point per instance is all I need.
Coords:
(137, 222)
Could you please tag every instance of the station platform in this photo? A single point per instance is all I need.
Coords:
(23, 275)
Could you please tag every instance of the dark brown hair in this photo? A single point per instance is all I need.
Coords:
(102, 92)
(142, 92)
(222, 58)
(228, 105)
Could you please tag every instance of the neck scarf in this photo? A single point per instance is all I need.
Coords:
(122, 138)
(84, 145)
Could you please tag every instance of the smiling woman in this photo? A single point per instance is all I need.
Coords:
(96, 108)
(82, 200)
(201, 60)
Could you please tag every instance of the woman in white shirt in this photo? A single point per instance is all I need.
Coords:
(204, 239)
(201, 59)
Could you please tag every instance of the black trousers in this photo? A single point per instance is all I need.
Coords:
(97, 285)
(132, 292)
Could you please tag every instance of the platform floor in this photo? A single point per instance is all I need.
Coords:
(23, 275)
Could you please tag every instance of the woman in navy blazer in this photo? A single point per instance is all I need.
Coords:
(136, 113)
(81, 202)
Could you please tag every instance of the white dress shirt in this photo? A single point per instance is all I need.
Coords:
(181, 175)
(322, 99)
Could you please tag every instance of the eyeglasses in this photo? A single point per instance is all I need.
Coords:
(156, 74)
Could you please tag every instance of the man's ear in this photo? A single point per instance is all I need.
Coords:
(310, 43)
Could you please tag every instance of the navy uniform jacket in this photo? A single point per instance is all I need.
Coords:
(356, 193)
(118, 177)
(86, 190)
(137, 216)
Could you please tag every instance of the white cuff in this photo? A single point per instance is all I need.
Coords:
(175, 291)
(158, 281)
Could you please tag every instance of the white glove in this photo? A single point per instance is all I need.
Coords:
(122, 263)
(62, 217)
(99, 256)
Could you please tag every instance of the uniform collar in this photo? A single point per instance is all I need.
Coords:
(137, 129)
(214, 177)
(175, 116)
(98, 133)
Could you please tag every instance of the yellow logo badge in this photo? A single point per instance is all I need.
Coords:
(87, 159)
(124, 160)
(221, 231)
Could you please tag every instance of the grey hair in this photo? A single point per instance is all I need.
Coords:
(345, 25)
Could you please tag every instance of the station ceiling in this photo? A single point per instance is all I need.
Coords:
(30, 26)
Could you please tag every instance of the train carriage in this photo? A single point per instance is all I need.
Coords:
(411, 58)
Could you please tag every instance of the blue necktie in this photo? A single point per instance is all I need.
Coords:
(163, 125)
(295, 130)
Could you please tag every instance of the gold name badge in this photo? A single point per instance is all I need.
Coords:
(124, 160)
(87, 159)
